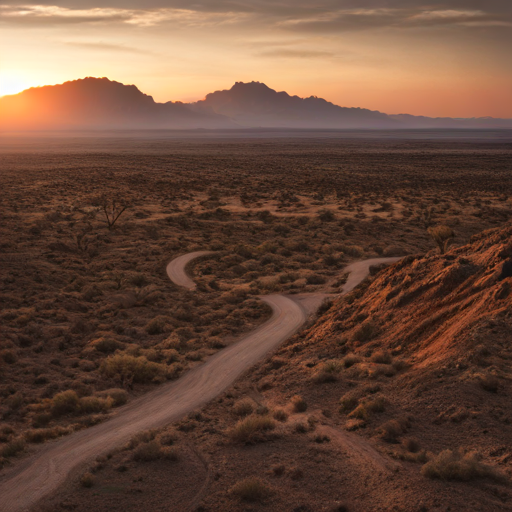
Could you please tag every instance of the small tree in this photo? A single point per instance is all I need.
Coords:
(113, 208)
(442, 236)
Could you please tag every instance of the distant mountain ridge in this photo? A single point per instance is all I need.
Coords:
(99, 103)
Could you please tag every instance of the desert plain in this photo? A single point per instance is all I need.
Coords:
(393, 395)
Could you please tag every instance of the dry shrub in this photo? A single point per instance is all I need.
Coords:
(40, 435)
(9, 356)
(489, 382)
(127, 369)
(350, 360)
(118, 396)
(252, 489)
(13, 447)
(328, 372)
(299, 404)
(148, 451)
(442, 236)
(250, 429)
(364, 410)
(106, 345)
(455, 465)
(366, 332)
(280, 415)
(94, 404)
(411, 445)
(87, 480)
(393, 429)
(157, 325)
(66, 402)
(243, 407)
(381, 357)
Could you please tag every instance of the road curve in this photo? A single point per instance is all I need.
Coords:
(41, 473)
(176, 269)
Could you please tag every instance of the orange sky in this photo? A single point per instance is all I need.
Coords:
(395, 56)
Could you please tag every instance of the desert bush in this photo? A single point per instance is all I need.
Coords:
(118, 396)
(366, 331)
(9, 356)
(350, 360)
(381, 357)
(141, 437)
(251, 489)
(13, 447)
(349, 401)
(326, 215)
(156, 326)
(106, 345)
(315, 279)
(489, 382)
(392, 429)
(243, 407)
(411, 445)
(248, 429)
(299, 404)
(127, 369)
(364, 410)
(87, 480)
(455, 465)
(280, 415)
(149, 451)
(41, 420)
(94, 404)
(328, 372)
(442, 236)
(40, 435)
(65, 402)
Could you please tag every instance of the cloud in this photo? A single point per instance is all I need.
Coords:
(109, 47)
(325, 16)
(288, 53)
(367, 19)
(52, 14)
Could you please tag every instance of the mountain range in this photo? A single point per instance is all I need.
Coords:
(99, 103)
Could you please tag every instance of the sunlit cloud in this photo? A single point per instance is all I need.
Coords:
(52, 14)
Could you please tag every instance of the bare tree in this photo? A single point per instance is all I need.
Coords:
(113, 208)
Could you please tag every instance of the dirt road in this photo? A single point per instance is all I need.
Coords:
(39, 474)
(176, 269)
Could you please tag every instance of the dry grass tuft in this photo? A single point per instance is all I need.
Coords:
(243, 407)
(299, 404)
(87, 480)
(250, 429)
(455, 465)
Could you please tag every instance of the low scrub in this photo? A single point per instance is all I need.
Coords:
(299, 404)
(328, 372)
(153, 450)
(366, 332)
(87, 480)
(127, 369)
(243, 407)
(40, 435)
(251, 428)
(13, 447)
(365, 410)
(252, 489)
(455, 465)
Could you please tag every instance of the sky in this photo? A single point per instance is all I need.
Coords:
(438, 58)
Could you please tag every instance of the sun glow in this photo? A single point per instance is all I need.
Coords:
(13, 82)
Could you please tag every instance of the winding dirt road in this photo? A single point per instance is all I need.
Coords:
(41, 473)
